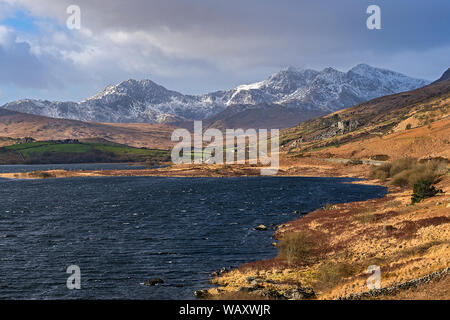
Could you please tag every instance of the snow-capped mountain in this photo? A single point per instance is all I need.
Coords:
(129, 101)
(328, 90)
(301, 90)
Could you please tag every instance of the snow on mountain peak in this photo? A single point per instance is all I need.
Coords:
(300, 89)
(251, 86)
(389, 80)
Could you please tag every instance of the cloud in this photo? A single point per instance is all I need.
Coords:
(21, 65)
(198, 46)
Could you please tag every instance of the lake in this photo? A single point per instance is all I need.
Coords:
(122, 231)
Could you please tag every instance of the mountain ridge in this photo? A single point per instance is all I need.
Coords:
(302, 90)
(372, 121)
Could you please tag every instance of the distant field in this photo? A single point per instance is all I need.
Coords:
(60, 152)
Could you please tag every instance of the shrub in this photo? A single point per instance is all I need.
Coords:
(438, 159)
(401, 178)
(408, 171)
(401, 165)
(438, 165)
(380, 157)
(41, 174)
(423, 189)
(381, 172)
(425, 171)
(408, 126)
(46, 175)
(422, 173)
(354, 162)
(332, 273)
(328, 206)
(297, 248)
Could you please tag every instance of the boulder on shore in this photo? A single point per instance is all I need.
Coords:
(201, 293)
(261, 227)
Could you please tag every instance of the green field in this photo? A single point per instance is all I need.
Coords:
(78, 152)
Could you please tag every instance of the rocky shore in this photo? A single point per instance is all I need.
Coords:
(410, 244)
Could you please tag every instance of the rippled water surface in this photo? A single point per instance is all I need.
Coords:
(122, 231)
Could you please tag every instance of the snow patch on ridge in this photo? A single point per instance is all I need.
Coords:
(145, 101)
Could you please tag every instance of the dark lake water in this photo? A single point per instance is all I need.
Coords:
(122, 231)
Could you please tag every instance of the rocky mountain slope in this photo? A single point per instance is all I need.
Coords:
(306, 92)
(259, 116)
(361, 131)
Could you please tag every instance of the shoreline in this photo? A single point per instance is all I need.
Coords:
(407, 242)
(306, 167)
(359, 234)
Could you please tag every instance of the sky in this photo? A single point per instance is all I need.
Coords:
(199, 46)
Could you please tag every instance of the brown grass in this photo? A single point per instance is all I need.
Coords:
(436, 289)
(330, 250)
(366, 216)
(235, 296)
(297, 248)
(331, 274)
(19, 125)
(41, 174)
(408, 171)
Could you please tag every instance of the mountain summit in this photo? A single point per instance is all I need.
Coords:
(445, 76)
(306, 91)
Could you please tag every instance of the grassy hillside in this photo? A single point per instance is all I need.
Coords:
(17, 125)
(264, 116)
(326, 253)
(368, 123)
(74, 151)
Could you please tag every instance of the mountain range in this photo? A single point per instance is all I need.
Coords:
(415, 123)
(288, 97)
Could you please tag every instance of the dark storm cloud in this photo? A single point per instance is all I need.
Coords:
(201, 45)
(406, 24)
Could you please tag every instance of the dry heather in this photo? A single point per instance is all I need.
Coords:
(170, 171)
(336, 246)
(430, 140)
(19, 125)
